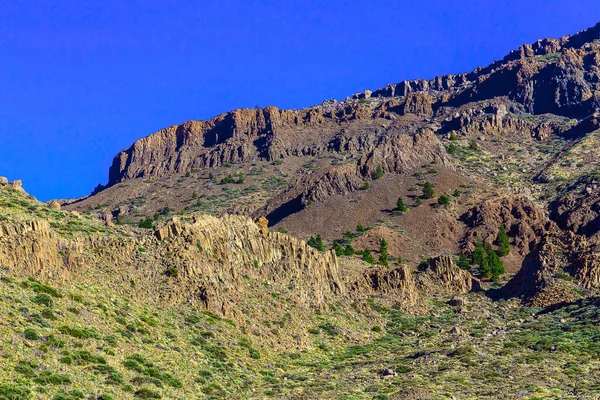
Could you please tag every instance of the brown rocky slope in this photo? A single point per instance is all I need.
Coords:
(496, 140)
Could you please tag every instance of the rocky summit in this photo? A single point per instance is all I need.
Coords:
(431, 239)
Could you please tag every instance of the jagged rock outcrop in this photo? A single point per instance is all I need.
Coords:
(15, 185)
(201, 259)
(525, 223)
(419, 104)
(233, 246)
(550, 272)
(443, 273)
(31, 248)
(578, 209)
(398, 284)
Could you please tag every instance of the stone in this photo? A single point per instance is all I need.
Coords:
(457, 301)
(387, 373)
(263, 223)
(54, 204)
(17, 185)
(3, 181)
(456, 331)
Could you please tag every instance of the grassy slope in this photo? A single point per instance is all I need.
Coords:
(86, 342)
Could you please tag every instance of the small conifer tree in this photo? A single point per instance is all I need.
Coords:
(400, 207)
(337, 247)
(383, 253)
(463, 262)
(367, 257)
(348, 250)
(503, 242)
(428, 191)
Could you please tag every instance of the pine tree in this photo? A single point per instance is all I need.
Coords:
(490, 261)
(496, 265)
(383, 253)
(316, 242)
(463, 262)
(348, 250)
(478, 253)
(480, 257)
(319, 243)
(378, 172)
(337, 247)
(360, 228)
(400, 207)
(428, 191)
(367, 257)
(503, 242)
(484, 267)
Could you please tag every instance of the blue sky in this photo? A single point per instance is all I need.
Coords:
(80, 81)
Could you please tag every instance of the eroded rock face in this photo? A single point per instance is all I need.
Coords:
(397, 283)
(578, 210)
(201, 260)
(399, 154)
(232, 246)
(443, 273)
(550, 272)
(525, 223)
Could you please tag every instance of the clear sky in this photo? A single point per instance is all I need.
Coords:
(82, 80)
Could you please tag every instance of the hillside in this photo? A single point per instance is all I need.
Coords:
(114, 319)
(432, 239)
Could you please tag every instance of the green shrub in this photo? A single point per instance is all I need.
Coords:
(80, 333)
(31, 334)
(329, 328)
(42, 299)
(338, 249)
(25, 368)
(444, 200)
(39, 287)
(254, 353)
(378, 172)
(367, 257)
(348, 250)
(146, 223)
(50, 378)
(145, 393)
(14, 392)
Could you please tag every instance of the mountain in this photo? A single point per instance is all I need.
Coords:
(515, 138)
(431, 239)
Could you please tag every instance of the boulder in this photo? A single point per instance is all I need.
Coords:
(54, 204)
(457, 301)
